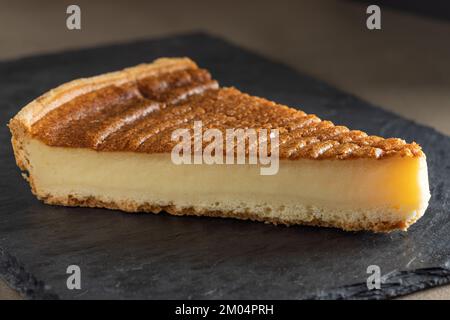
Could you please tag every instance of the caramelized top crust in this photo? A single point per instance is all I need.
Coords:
(140, 112)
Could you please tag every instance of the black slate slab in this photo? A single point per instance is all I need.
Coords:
(161, 256)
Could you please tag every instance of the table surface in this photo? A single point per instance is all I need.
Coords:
(404, 67)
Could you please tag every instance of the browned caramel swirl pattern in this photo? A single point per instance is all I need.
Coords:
(140, 116)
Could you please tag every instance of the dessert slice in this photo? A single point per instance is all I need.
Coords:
(107, 142)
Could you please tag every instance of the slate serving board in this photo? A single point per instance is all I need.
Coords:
(160, 256)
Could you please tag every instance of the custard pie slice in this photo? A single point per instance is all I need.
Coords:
(106, 142)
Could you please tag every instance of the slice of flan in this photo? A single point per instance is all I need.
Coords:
(107, 141)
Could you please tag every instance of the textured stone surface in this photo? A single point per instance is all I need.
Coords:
(158, 256)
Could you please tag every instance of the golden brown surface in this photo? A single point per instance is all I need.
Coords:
(139, 114)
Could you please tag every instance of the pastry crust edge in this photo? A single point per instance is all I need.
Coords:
(54, 98)
(20, 125)
(147, 207)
